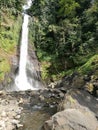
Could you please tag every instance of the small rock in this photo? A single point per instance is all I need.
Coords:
(21, 101)
(41, 97)
(2, 93)
(19, 125)
(15, 122)
(6, 119)
(17, 117)
(2, 125)
(61, 95)
(18, 111)
(52, 85)
(86, 78)
(63, 89)
(3, 114)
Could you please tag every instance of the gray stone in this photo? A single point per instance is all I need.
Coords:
(78, 112)
(19, 125)
(72, 119)
(15, 122)
(17, 117)
(77, 98)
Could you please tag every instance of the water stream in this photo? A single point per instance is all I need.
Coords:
(22, 81)
(28, 78)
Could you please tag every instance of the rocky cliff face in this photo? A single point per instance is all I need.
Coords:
(33, 65)
(33, 68)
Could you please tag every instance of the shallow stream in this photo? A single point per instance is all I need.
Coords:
(33, 119)
(37, 107)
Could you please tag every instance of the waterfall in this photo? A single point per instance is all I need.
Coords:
(21, 80)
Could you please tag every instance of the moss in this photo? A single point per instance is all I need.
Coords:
(90, 87)
(44, 69)
(4, 68)
(72, 101)
(90, 65)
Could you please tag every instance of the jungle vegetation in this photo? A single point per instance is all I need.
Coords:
(65, 35)
(10, 27)
(63, 32)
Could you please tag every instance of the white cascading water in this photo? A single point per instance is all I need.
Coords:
(21, 80)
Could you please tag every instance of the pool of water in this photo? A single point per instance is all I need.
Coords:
(34, 119)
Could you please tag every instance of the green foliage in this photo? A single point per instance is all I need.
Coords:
(4, 68)
(10, 26)
(68, 7)
(16, 4)
(65, 34)
(8, 42)
(9, 37)
(90, 65)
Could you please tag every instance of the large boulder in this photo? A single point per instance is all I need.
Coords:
(72, 119)
(79, 111)
(75, 98)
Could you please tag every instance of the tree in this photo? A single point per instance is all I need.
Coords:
(68, 8)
